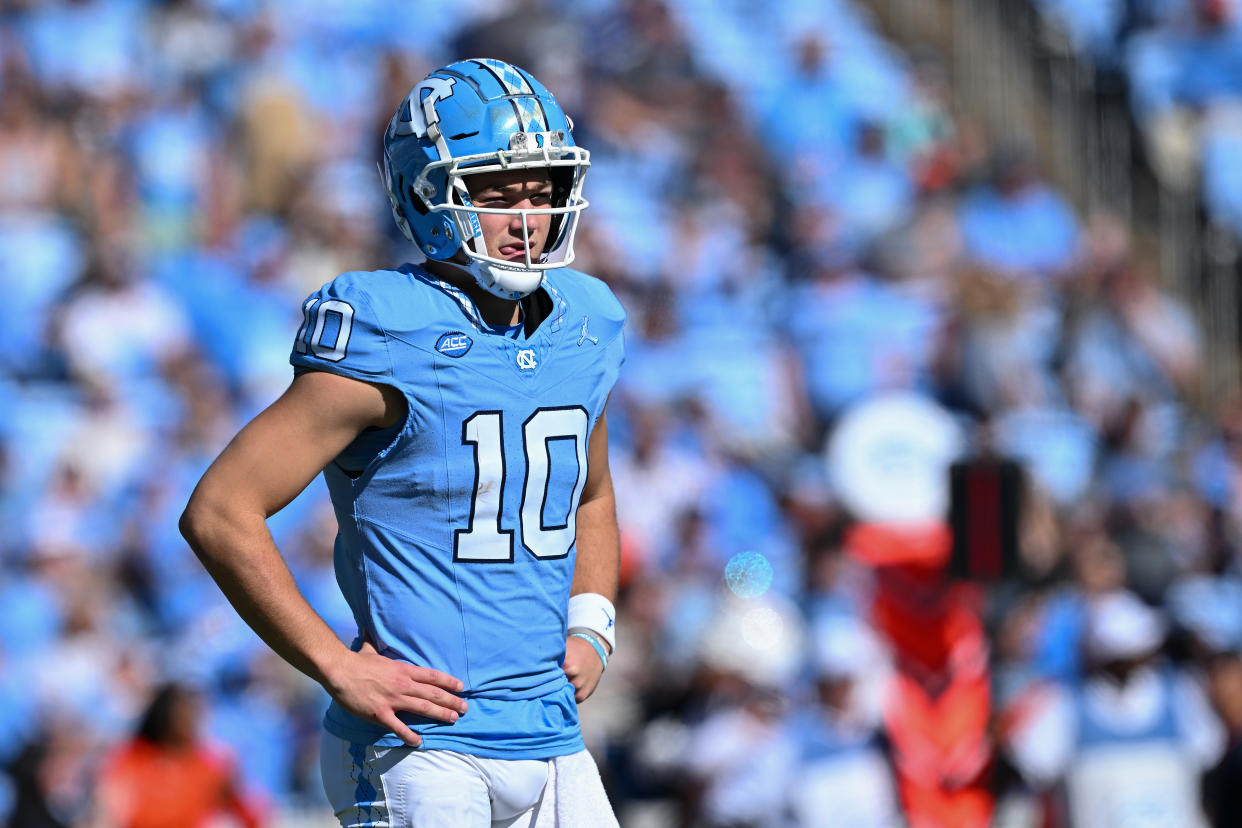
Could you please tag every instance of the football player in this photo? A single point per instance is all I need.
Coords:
(456, 410)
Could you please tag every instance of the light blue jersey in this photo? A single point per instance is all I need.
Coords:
(456, 539)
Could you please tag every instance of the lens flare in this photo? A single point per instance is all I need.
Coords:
(748, 574)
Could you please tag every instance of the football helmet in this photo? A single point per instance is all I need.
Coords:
(471, 117)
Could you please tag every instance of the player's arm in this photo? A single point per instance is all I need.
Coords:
(265, 466)
(598, 563)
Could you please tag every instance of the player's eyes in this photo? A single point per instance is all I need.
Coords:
(503, 201)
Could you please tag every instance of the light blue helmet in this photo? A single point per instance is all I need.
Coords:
(471, 117)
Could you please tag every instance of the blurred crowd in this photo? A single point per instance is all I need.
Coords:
(1180, 62)
(796, 220)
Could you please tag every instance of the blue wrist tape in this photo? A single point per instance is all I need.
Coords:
(594, 642)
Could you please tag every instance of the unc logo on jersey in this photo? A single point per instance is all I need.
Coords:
(454, 344)
(526, 360)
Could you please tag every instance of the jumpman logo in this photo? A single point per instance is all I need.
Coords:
(609, 617)
(586, 336)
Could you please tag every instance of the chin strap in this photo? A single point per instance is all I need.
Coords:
(488, 276)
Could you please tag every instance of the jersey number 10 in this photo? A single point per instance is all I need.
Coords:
(484, 539)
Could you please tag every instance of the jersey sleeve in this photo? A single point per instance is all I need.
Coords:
(341, 333)
(605, 321)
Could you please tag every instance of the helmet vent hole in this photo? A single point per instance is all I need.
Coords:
(416, 202)
(461, 135)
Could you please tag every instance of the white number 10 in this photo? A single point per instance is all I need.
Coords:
(484, 539)
(315, 320)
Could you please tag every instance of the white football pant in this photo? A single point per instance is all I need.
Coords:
(400, 787)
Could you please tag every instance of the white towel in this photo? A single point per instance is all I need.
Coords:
(578, 799)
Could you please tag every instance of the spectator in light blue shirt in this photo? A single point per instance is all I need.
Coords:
(1016, 223)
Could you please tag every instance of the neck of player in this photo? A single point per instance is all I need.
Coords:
(495, 311)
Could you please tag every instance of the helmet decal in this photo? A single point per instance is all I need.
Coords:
(420, 109)
(530, 114)
(510, 77)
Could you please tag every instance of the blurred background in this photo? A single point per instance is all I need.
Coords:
(928, 450)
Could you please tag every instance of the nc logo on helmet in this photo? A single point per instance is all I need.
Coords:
(423, 106)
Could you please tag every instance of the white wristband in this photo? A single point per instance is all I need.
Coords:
(592, 611)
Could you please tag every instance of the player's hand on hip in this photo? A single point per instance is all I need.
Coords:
(377, 688)
(582, 667)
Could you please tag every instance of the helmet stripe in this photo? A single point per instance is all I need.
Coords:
(513, 81)
(543, 116)
(530, 114)
(527, 79)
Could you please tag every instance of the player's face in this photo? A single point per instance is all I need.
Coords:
(513, 190)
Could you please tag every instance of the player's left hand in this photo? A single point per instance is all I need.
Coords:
(582, 667)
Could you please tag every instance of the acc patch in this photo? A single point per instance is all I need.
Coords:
(454, 344)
